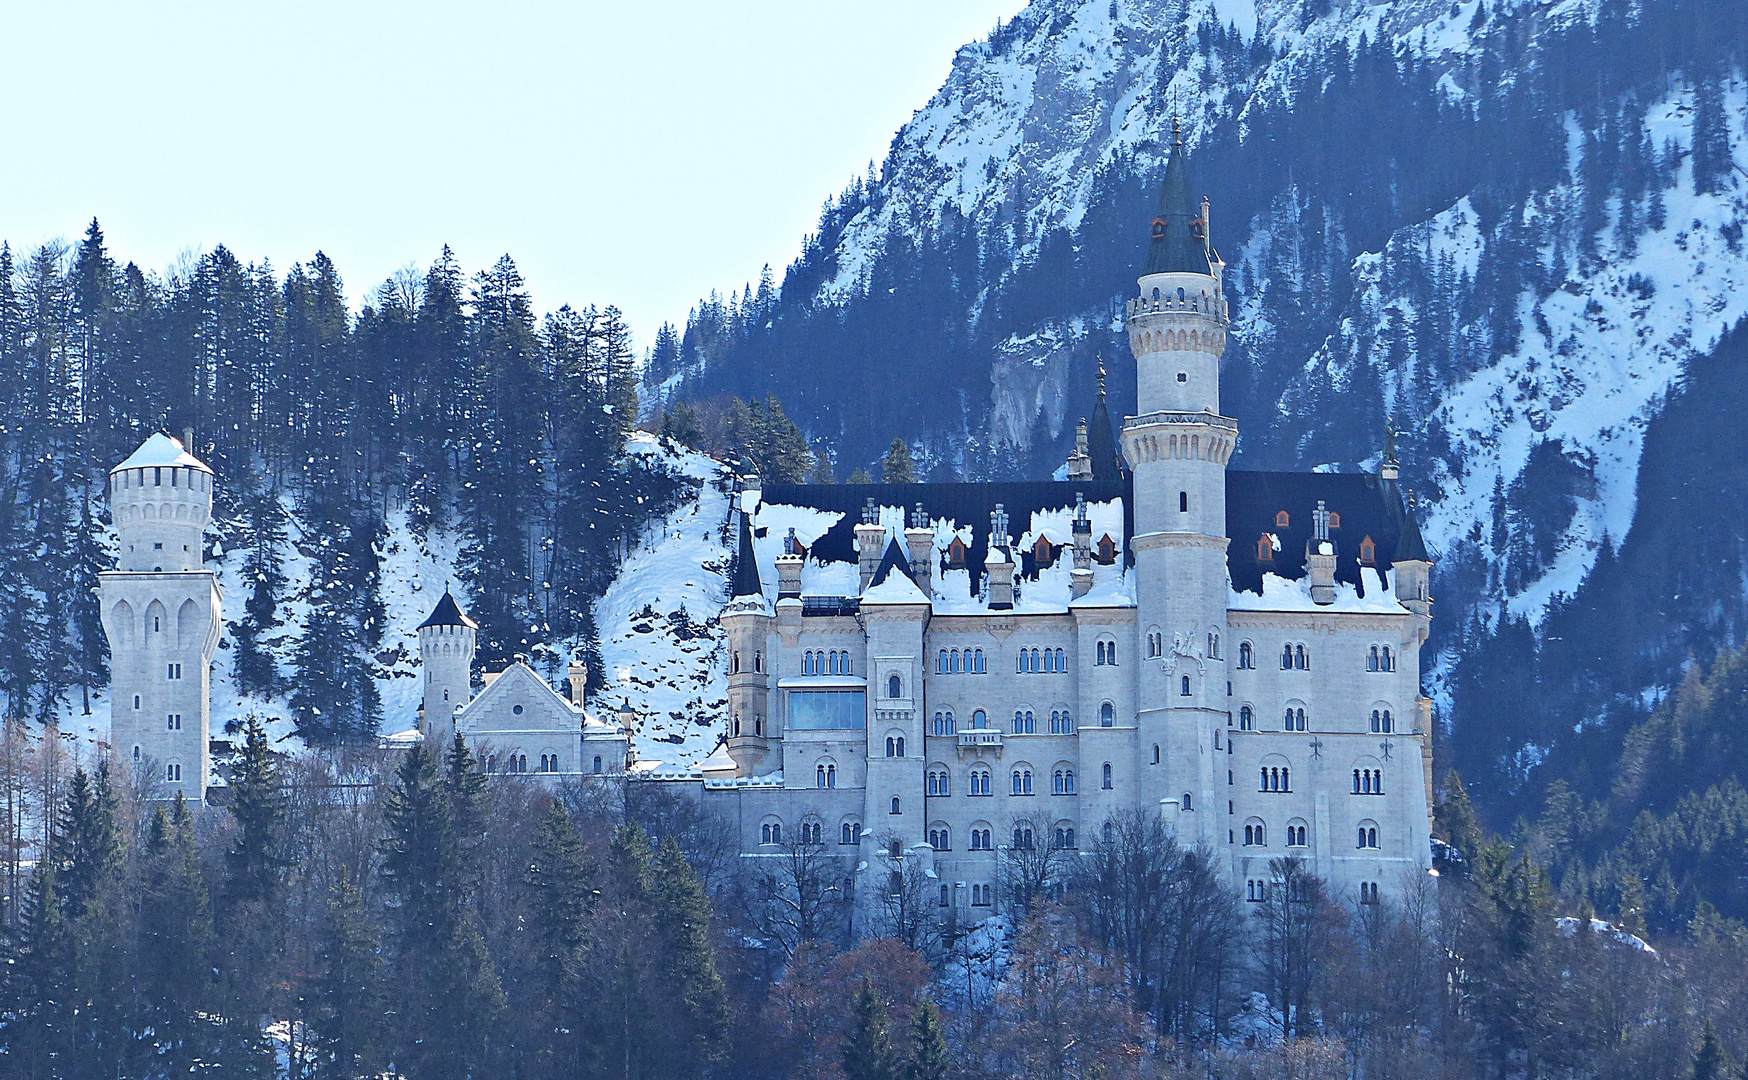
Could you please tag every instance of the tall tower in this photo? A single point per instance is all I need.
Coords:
(1178, 445)
(747, 620)
(446, 644)
(161, 611)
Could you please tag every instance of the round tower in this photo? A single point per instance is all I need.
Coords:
(747, 620)
(446, 644)
(1178, 445)
(161, 611)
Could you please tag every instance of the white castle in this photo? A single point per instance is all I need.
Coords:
(947, 674)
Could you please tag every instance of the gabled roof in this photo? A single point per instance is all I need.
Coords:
(162, 450)
(1176, 246)
(746, 566)
(448, 613)
(486, 704)
(893, 560)
(892, 582)
(1368, 506)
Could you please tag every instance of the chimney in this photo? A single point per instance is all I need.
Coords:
(789, 568)
(1081, 577)
(188, 439)
(869, 537)
(1001, 580)
(919, 543)
(1320, 558)
(577, 674)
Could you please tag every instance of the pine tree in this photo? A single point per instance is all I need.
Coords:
(1455, 816)
(868, 1052)
(255, 669)
(1711, 138)
(860, 476)
(347, 1006)
(682, 921)
(897, 467)
(173, 950)
(257, 804)
(929, 1059)
(90, 642)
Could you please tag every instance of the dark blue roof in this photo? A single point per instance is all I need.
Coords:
(448, 613)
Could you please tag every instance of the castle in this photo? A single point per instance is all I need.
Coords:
(940, 677)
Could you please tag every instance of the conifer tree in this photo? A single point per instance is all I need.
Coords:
(1711, 1062)
(897, 467)
(929, 1059)
(346, 1011)
(255, 670)
(559, 880)
(868, 1052)
(173, 950)
(682, 921)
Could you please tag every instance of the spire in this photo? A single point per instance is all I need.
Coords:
(448, 613)
(1101, 443)
(746, 565)
(1180, 237)
(1410, 546)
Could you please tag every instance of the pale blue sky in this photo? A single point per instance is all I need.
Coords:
(633, 153)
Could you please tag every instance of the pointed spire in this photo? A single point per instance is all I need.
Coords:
(1101, 443)
(746, 565)
(1410, 545)
(448, 613)
(1180, 237)
(1101, 360)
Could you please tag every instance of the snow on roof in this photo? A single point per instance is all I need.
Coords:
(161, 449)
(898, 588)
(1280, 594)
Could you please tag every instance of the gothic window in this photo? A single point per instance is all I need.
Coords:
(1246, 656)
(1265, 548)
(1282, 520)
(1368, 834)
(893, 687)
(979, 782)
(1106, 715)
(1022, 779)
(1368, 551)
(1105, 776)
(1246, 718)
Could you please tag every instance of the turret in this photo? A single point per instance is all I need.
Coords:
(747, 621)
(446, 646)
(577, 674)
(789, 565)
(161, 499)
(1080, 458)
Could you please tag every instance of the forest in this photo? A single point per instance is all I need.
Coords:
(353, 913)
(444, 396)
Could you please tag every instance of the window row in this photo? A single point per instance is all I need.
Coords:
(1025, 838)
(758, 662)
(1298, 834)
(518, 763)
(1256, 890)
(811, 831)
(1041, 662)
(1293, 719)
(825, 662)
(1025, 722)
(1295, 657)
(1368, 782)
(955, 661)
(938, 781)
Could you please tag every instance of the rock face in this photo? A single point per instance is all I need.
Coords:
(1427, 216)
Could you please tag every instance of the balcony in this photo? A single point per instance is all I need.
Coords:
(980, 740)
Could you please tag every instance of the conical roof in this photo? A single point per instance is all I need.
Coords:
(1101, 444)
(1179, 243)
(449, 613)
(746, 565)
(1410, 547)
(161, 449)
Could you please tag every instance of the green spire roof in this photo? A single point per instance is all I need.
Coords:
(1179, 242)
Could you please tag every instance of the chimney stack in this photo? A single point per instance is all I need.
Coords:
(919, 542)
(1320, 557)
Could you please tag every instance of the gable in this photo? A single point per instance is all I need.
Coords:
(495, 708)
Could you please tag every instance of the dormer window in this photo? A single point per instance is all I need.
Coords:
(1334, 520)
(1368, 551)
(956, 554)
(1043, 553)
(1107, 550)
(1282, 520)
(1265, 549)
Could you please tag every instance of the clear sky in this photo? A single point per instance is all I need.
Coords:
(622, 152)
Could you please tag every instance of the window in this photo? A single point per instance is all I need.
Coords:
(1368, 552)
(1062, 782)
(174, 723)
(1253, 835)
(597, 762)
(1105, 653)
(1382, 722)
(1296, 834)
(521, 763)
(1287, 657)
(941, 663)
(1106, 715)
(893, 687)
(1372, 661)
(1023, 723)
(810, 832)
(1368, 782)
(1023, 838)
(895, 810)
(1214, 644)
(980, 840)
(977, 662)
(1246, 718)
(1265, 548)
(1295, 720)
(1183, 502)
(1183, 686)
(1246, 657)
(1283, 520)
(517, 710)
(1155, 644)
(1022, 781)
(980, 720)
(1368, 832)
(980, 896)
(1334, 520)
(825, 775)
(1061, 723)
(1183, 376)
(1064, 837)
(136, 701)
(136, 753)
(850, 833)
(1275, 778)
(173, 773)
(548, 763)
(956, 554)
(1389, 659)
(895, 746)
(939, 839)
(1256, 891)
(733, 663)
(1156, 753)
(943, 723)
(1187, 803)
(1300, 660)
(771, 832)
(1105, 774)
(938, 784)
(1368, 892)
(173, 671)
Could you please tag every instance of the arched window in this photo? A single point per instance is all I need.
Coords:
(1188, 803)
(1183, 502)
(1295, 719)
(1214, 644)
(980, 839)
(941, 663)
(1023, 838)
(1296, 834)
(819, 776)
(940, 839)
(1105, 776)
(1183, 686)
(1253, 835)
(977, 659)
(1372, 662)
(1246, 718)
(173, 773)
(1368, 835)
(900, 746)
(894, 687)
(1300, 660)
(1368, 892)
(1064, 838)
(980, 782)
(771, 832)
(849, 833)
(894, 809)
(1106, 715)
(1389, 659)
(1156, 753)
(1022, 781)
(734, 663)
(953, 660)
(979, 720)
(1287, 657)
(890, 747)
(1246, 656)
(1382, 722)
(597, 762)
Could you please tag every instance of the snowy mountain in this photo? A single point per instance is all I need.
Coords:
(1511, 226)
